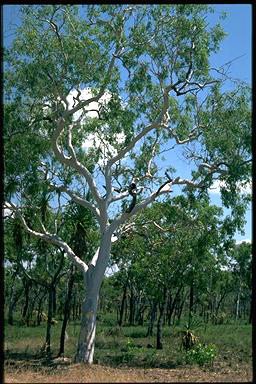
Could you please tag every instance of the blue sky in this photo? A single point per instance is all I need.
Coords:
(237, 45)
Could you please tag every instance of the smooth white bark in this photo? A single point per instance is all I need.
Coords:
(93, 279)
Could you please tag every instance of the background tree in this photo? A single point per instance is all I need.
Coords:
(241, 266)
(170, 247)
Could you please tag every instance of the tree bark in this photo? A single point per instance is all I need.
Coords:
(159, 344)
(140, 318)
(27, 285)
(132, 307)
(85, 349)
(54, 304)
(92, 278)
(67, 307)
(219, 303)
(238, 302)
(180, 308)
(74, 308)
(14, 297)
(191, 303)
(153, 312)
(39, 309)
(49, 322)
(123, 305)
(171, 304)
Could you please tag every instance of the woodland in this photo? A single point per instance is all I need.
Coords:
(114, 254)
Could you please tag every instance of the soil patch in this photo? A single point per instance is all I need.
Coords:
(65, 372)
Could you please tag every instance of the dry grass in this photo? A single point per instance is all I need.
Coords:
(79, 373)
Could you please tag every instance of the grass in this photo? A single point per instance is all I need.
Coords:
(126, 348)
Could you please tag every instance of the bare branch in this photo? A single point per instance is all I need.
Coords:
(70, 146)
(191, 183)
(78, 199)
(148, 173)
(50, 238)
(126, 215)
(73, 162)
(120, 196)
(198, 86)
(214, 167)
(190, 137)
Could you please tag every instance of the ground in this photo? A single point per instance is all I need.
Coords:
(66, 372)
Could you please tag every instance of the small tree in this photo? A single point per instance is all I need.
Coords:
(241, 262)
(129, 78)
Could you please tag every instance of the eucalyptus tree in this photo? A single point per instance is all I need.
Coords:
(104, 90)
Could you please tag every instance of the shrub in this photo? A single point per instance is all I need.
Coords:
(188, 340)
(201, 354)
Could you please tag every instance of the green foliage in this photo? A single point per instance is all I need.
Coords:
(201, 354)
(58, 49)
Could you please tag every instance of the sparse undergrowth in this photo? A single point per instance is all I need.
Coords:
(129, 347)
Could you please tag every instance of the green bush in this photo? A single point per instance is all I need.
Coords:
(201, 354)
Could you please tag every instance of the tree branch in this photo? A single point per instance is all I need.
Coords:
(126, 215)
(161, 122)
(78, 200)
(72, 161)
(50, 238)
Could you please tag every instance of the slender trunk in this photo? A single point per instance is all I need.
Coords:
(132, 309)
(159, 344)
(10, 313)
(15, 295)
(180, 309)
(191, 303)
(49, 322)
(153, 312)
(122, 305)
(66, 311)
(169, 309)
(54, 304)
(74, 307)
(125, 311)
(27, 286)
(39, 309)
(138, 308)
(219, 303)
(31, 309)
(172, 304)
(141, 315)
(238, 302)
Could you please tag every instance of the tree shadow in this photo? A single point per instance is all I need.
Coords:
(34, 361)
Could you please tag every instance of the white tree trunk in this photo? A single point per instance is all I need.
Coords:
(93, 279)
(85, 348)
(238, 302)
